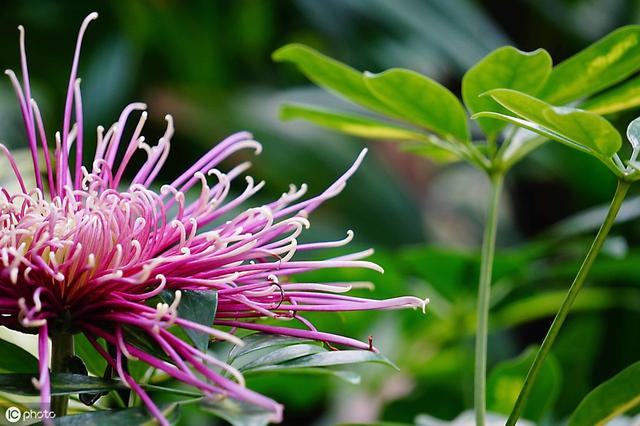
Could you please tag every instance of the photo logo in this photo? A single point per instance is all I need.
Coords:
(13, 414)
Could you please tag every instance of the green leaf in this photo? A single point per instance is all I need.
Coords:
(433, 152)
(239, 413)
(197, 306)
(584, 128)
(61, 384)
(534, 127)
(351, 124)
(506, 67)
(422, 144)
(67, 384)
(331, 74)
(259, 341)
(329, 359)
(614, 397)
(14, 359)
(129, 416)
(281, 355)
(620, 98)
(506, 380)
(421, 101)
(94, 362)
(604, 63)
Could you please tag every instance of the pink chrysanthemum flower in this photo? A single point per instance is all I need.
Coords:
(82, 251)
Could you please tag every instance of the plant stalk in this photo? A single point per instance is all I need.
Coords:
(484, 297)
(61, 352)
(567, 303)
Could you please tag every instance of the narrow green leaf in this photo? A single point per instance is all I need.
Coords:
(331, 74)
(281, 355)
(506, 380)
(61, 384)
(620, 98)
(506, 67)
(197, 306)
(604, 63)
(421, 101)
(423, 144)
(346, 376)
(351, 124)
(329, 359)
(14, 359)
(130, 416)
(258, 341)
(584, 128)
(239, 413)
(610, 399)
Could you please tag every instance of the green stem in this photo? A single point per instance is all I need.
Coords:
(484, 297)
(61, 352)
(568, 301)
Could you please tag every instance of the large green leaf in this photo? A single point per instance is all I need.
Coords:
(14, 359)
(130, 416)
(610, 399)
(331, 74)
(604, 63)
(584, 128)
(620, 98)
(421, 101)
(506, 380)
(351, 124)
(506, 67)
(197, 306)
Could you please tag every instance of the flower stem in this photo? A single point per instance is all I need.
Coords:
(576, 286)
(484, 297)
(61, 352)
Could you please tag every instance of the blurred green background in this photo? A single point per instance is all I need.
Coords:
(208, 64)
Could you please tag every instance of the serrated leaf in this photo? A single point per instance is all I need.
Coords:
(506, 380)
(620, 98)
(331, 74)
(602, 64)
(614, 397)
(506, 67)
(14, 359)
(197, 306)
(420, 101)
(584, 128)
(130, 416)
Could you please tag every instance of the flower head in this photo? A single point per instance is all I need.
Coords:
(84, 252)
